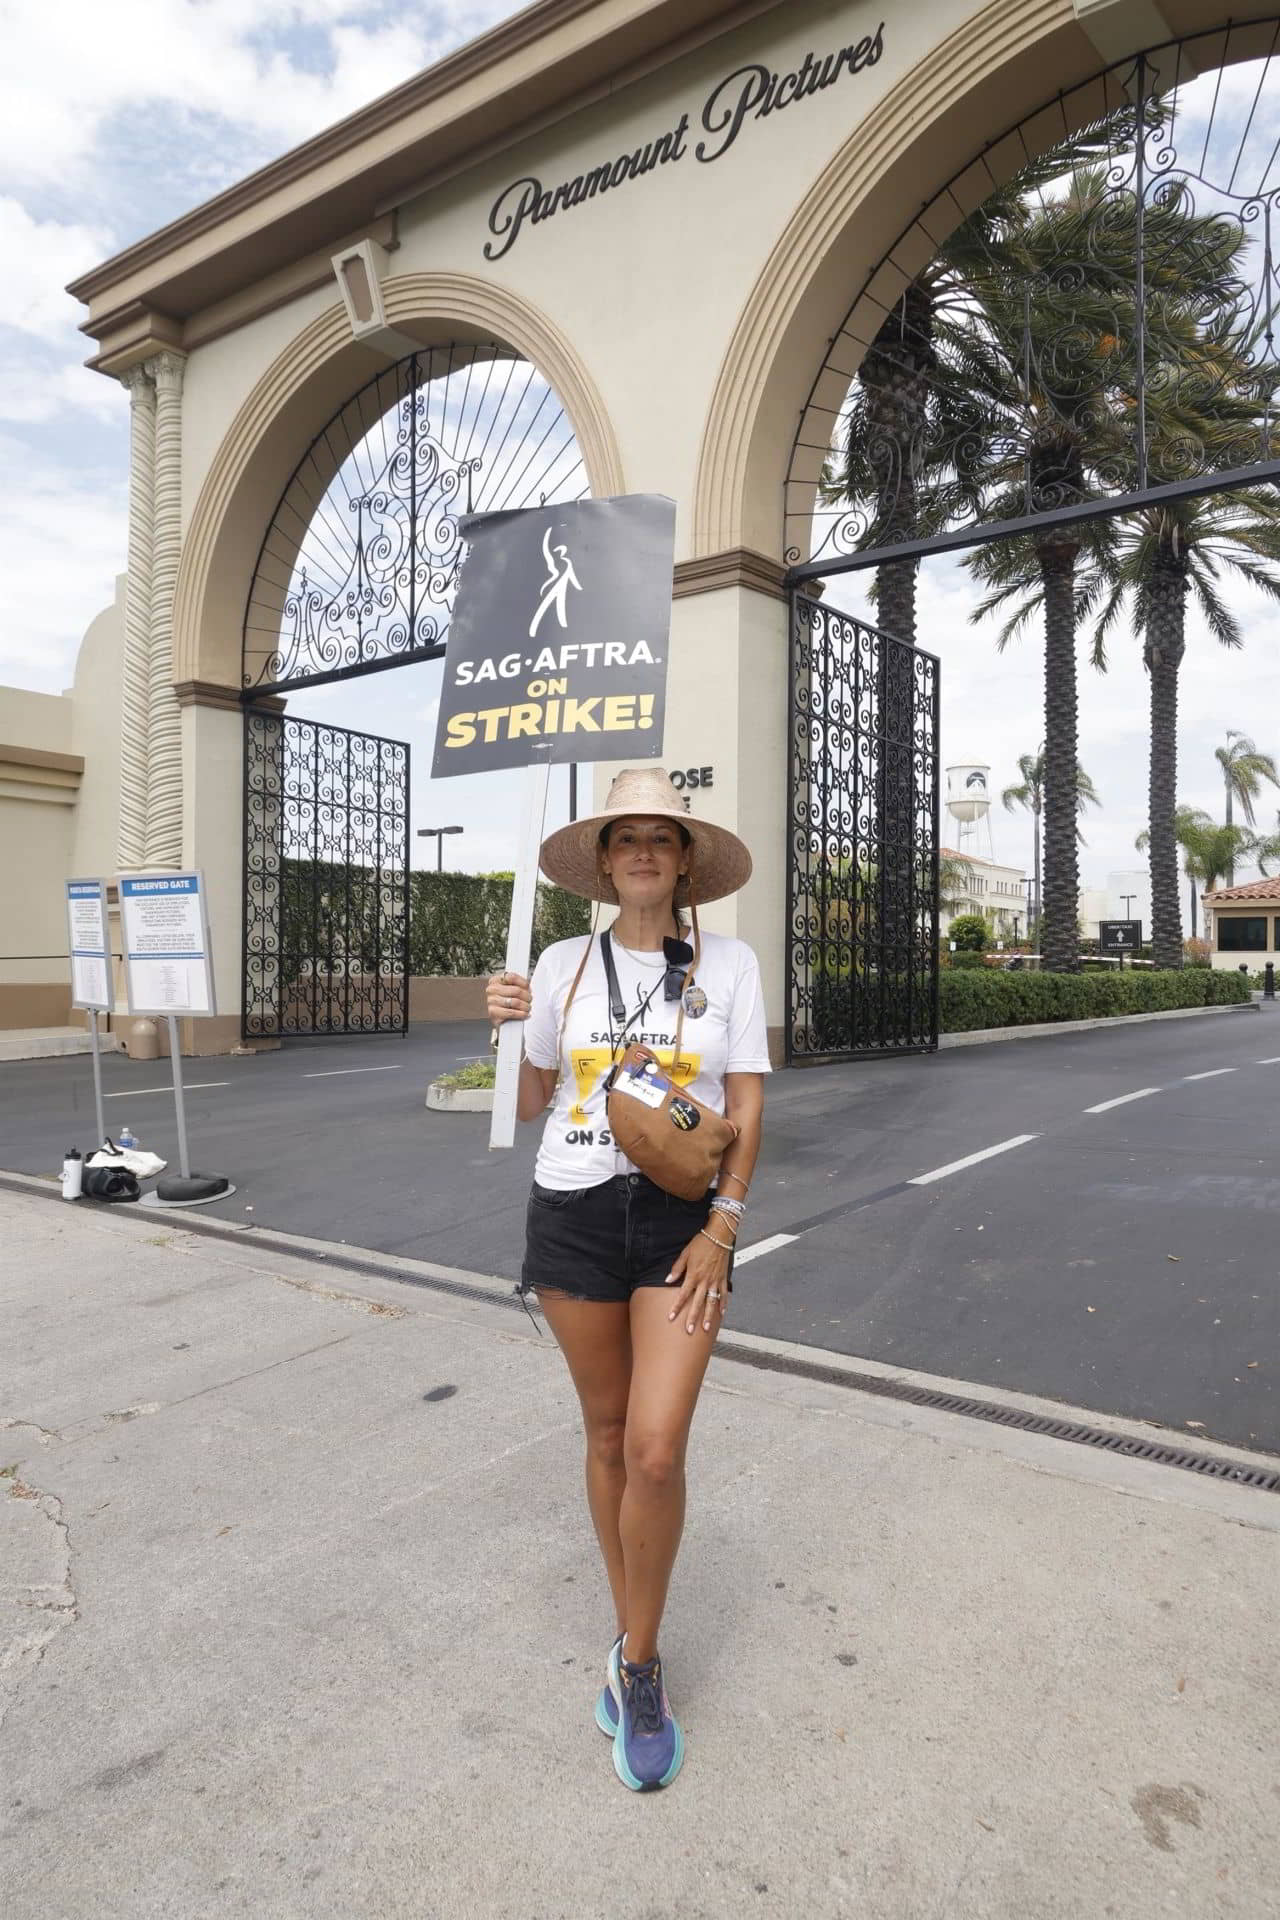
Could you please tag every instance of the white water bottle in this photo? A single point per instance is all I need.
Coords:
(72, 1176)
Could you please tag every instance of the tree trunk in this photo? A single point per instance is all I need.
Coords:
(1162, 653)
(1231, 865)
(1059, 933)
(1193, 910)
(1036, 888)
(895, 378)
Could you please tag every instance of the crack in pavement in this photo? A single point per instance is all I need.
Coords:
(35, 1537)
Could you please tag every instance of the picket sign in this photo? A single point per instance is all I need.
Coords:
(524, 893)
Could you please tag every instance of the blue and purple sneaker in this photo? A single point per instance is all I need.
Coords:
(648, 1746)
(607, 1704)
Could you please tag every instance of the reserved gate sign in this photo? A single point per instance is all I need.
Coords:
(558, 641)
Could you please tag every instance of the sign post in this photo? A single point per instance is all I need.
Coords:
(557, 652)
(169, 972)
(1119, 937)
(90, 969)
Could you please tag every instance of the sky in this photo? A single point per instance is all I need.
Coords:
(118, 119)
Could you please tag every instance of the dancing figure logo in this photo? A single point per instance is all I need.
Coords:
(555, 592)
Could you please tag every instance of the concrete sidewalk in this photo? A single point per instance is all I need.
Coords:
(300, 1615)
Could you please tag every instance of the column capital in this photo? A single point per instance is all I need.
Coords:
(166, 369)
(138, 383)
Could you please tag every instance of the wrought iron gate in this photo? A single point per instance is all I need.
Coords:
(862, 840)
(326, 879)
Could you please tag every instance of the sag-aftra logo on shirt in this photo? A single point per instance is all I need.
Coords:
(591, 1064)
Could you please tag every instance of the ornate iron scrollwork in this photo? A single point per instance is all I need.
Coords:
(360, 563)
(326, 887)
(862, 840)
(1101, 327)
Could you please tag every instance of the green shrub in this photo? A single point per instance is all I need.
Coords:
(457, 921)
(476, 1073)
(969, 931)
(971, 1001)
(965, 957)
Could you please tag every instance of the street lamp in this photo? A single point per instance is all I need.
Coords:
(437, 834)
(1127, 897)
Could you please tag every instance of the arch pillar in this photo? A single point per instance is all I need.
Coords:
(307, 383)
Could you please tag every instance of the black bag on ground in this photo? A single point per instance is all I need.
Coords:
(111, 1183)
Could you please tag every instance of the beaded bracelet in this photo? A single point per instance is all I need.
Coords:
(724, 1205)
(724, 1248)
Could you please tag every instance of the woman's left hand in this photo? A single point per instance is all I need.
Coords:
(700, 1271)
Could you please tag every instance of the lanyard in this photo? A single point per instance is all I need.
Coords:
(617, 1005)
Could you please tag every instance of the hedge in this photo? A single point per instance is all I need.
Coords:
(457, 921)
(971, 1001)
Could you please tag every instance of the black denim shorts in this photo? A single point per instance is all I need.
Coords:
(602, 1242)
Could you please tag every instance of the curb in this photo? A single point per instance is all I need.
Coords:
(459, 1099)
(982, 1035)
(793, 1368)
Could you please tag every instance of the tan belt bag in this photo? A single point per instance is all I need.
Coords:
(670, 1136)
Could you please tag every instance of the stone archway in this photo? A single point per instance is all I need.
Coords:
(856, 238)
(307, 384)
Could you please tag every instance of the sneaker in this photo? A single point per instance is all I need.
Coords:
(607, 1704)
(648, 1746)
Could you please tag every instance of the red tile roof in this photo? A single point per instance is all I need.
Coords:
(1251, 890)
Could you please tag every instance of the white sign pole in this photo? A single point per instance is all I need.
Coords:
(97, 1076)
(90, 969)
(175, 1056)
(524, 892)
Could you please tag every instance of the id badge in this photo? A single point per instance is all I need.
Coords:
(645, 1082)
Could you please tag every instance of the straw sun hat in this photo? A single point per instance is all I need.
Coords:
(571, 857)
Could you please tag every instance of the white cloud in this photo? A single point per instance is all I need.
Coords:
(219, 57)
(40, 256)
(62, 543)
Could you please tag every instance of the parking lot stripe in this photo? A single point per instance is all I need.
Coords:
(764, 1246)
(188, 1086)
(331, 1073)
(972, 1159)
(1211, 1075)
(1105, 1106)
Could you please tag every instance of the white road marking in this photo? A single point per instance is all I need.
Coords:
(331, 1073)
(188, 1086)
(1105, 1106)
(972, 1159)
(764, 1246)
(1211, 1075)
(1274, 1061)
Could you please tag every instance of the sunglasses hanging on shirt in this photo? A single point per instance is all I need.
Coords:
(678, 955)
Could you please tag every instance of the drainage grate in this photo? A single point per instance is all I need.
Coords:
(1263, 1479)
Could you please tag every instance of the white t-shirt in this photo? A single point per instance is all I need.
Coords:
(724, 1032)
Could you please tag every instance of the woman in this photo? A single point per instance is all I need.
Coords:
(634, 1283)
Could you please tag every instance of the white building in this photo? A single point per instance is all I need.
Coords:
(1126, 896)
(997, 892)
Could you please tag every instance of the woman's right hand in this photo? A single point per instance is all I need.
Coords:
(507, 996)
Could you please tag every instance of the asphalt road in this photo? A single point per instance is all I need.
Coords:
(1123, 1260)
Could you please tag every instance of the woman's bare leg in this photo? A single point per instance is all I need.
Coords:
(595, 1338)
(667, 1366)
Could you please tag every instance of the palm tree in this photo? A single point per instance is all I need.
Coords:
(1209, 849)
(1265, 849)
(1161, 558)
(1029, 793)
(1244, 769)
(955, 881)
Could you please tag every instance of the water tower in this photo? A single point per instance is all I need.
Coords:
(969, 804)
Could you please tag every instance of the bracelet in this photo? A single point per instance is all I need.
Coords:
(735, 1208)
(716, 1243)
(726, 1175)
